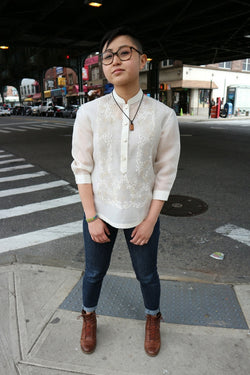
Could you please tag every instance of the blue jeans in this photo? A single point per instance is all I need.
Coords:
(144, 260)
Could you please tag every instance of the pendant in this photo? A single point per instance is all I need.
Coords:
(131, 126)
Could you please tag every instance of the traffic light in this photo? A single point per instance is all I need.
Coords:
(162, 86)
(67, 57)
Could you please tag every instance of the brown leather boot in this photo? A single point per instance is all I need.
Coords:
(152, 335)
(88, 337)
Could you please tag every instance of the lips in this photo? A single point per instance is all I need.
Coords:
(117, 71)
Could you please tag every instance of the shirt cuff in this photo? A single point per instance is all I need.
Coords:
(83, 179)
(161, 195)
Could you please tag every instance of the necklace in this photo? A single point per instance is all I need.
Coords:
(131, 126)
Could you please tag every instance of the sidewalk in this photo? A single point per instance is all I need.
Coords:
(198, 118)
(39, 338)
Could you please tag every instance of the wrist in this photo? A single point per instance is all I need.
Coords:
(91, 219)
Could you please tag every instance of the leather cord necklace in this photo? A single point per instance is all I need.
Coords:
(131, 125)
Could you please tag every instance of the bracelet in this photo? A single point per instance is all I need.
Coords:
(89, 220)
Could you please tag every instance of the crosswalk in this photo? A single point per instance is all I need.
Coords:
(37, 125)
(23, 194)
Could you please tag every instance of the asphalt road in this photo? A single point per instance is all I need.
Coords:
(40, 211)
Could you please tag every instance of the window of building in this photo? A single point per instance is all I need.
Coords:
(28, 90)
(225, 65)
(146, 67)
(168, 62)
(246, 65)
(95, 73)
(71, 80)
(33, 89)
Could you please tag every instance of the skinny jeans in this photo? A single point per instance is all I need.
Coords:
(144, 261)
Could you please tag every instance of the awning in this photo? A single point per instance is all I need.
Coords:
(189, 84)
(47, 94)
(57, 92)
(72, 90)
(37, 96)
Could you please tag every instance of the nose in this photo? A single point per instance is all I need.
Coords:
(116, 59)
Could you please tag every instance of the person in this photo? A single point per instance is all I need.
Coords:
(211, 104)
(125, 150)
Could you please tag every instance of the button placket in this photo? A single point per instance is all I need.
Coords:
(124, 140)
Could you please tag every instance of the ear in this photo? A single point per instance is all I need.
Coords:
(143, 61)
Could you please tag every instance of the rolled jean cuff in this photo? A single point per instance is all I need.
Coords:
(89, 309)
(152, 312)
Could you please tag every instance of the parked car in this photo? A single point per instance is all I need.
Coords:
(70, 111)
(43, 107)
(28, 110)
(4, 111)
(58, 111)
(35, 110)
(18, 110)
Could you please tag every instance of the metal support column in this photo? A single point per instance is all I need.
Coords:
(153, 79)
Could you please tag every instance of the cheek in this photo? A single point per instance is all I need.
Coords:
(105, 71)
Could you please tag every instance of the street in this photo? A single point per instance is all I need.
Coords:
(41, 213)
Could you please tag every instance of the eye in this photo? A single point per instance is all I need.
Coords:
(124, 52)
(107, 56)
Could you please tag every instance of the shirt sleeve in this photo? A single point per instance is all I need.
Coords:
(167, 157)
(82, 147)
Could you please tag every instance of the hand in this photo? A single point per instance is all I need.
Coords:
(99, 231)
(142, 233)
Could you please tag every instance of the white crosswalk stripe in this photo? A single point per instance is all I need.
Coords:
(236, 233)
(9, 169)
(40, 236)
(33, 125)
(67, 198)
(40, 206)
(23, 176)
(31, 188)
(11, 161)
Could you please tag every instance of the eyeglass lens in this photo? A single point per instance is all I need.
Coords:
(124, 53)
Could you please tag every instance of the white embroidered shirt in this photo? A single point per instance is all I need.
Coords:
(127, 169)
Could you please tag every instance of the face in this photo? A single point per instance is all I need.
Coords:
(124, 73)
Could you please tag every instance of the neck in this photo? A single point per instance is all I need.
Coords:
(127, 93)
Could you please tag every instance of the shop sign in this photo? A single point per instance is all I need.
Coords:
(61, 81)
(92, 60)
(50, 84)
(59, 70)
(85, 73)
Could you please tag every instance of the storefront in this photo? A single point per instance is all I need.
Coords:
(188, 97)
(73, 95)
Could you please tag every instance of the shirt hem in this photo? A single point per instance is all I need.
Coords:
(119, 226)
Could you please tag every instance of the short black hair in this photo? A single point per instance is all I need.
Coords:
(112, 34)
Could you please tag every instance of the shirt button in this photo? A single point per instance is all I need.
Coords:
(125, 140)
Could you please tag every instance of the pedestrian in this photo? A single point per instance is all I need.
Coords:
(125, 148)
(211, 104)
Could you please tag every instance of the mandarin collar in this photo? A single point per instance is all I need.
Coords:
(132, 100)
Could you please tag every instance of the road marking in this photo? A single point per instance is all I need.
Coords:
(32, 188)
(23, 176)
(236, 233)
(9, 161)
(29, 127)
(8, 169)
(40, 236)
(6, 155)
(40, 206)
(4, 131)
(15, 129)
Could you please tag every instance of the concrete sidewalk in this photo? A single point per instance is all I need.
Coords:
(38, 338)
(199, 118)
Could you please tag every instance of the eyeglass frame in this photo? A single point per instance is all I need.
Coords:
(116, 53)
